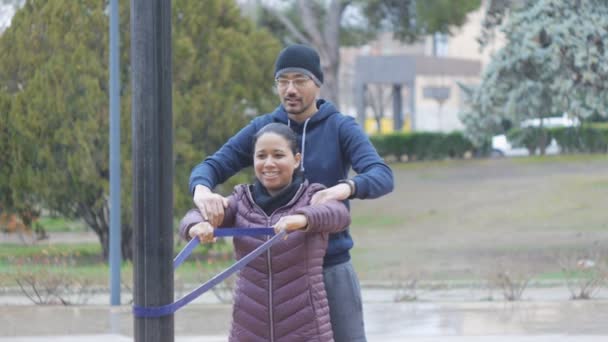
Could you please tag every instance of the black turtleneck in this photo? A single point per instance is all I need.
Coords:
(270, 203)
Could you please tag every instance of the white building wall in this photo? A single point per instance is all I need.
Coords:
(461, 44)
(442, 117)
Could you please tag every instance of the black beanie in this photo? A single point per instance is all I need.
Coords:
(299, 58)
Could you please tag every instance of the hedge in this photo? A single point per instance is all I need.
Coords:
(585, 138)
(422, 145)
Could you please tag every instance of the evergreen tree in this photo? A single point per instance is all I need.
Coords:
(554, 62)
(54, 82)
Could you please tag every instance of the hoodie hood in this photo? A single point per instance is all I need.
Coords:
(326, 109)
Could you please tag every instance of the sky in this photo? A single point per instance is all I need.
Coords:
(6, 13)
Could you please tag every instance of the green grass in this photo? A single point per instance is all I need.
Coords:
(446, 220)
(83, 262)
(562, 158)
(434, 164)
(372, 221)
(98, 274)
(17, 251)
(60, 224)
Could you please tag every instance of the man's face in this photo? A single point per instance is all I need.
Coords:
(298, 94)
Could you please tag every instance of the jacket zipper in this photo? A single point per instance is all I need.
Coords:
(270, 305)
(268, 255)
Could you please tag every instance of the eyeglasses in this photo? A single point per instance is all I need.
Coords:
(298, 83)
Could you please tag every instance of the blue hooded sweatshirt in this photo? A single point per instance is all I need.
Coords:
(331, 143)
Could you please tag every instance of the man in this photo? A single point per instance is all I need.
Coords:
(331, 143)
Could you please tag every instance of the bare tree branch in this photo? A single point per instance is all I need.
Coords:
(310, 22)
(333, 21)
(289, 25)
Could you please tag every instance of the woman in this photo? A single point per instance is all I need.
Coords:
(280, 295)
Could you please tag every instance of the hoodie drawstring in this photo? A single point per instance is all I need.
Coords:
(303, 144)
(303, 141)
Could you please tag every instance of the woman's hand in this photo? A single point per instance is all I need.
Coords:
(204, 231)
(290, 223)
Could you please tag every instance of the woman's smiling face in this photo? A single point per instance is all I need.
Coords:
(274, 162)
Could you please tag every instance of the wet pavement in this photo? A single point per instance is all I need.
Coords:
(526, 321)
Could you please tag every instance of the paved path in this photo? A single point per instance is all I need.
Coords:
(559, 321)
(489, 338)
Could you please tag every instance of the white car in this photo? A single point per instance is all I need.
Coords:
(502, 147)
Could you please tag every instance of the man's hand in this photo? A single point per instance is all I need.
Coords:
(290, 223)
(203, 230)
(210, 205)
(337, 192)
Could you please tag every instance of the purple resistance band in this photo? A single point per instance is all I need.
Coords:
(159, 311)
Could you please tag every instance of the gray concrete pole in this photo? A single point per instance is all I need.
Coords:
(360, 103)
(152, 165)
(412, 104)
(115, 209)
(397, 108)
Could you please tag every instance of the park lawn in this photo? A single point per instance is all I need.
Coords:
(82, 262)
(19, 251)
(454, 220)
(59, 224)
(465, 219)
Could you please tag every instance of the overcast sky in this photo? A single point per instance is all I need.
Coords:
(6, 13)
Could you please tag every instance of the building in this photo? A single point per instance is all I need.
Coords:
(420, 81)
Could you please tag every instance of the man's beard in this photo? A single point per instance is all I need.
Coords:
(302, 109)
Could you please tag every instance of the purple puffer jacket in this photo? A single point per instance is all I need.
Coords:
(280, 295)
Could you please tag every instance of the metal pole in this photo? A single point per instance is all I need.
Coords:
(115, 231)
(152, 165)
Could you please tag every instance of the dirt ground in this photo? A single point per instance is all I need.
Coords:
(468, 219)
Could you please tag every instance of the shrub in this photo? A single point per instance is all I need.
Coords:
(422, 145)
(585, 138)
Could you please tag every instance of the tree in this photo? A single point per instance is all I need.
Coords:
(5, 167)
(324, 25)
(54, 69)
(7, 10)
(554, 62)
(378, 97)
(54, 81)
(223, 76)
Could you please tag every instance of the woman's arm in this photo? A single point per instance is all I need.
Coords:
(330, 217)
(192, 217)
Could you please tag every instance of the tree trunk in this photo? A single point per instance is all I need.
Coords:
(104, 240)
(127, 241)
(324, 37)
(542, 138)
(378, 123)
(542, 142)
(98, 221)
(331, 87)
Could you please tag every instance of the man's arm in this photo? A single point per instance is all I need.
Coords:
(374, 178)
(235, 155)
